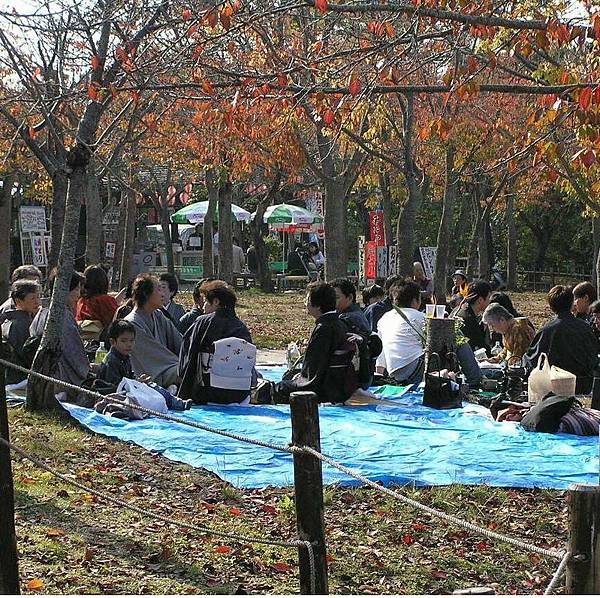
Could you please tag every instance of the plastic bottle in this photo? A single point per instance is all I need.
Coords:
(497, 349)
(100, 353)
(293, 354)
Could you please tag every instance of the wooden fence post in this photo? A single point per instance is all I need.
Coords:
(583, 569)
(308, 490)
(9, 564)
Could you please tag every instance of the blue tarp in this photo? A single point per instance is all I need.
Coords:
(407, 443)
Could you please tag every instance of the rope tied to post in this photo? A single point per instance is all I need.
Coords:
(168, 520)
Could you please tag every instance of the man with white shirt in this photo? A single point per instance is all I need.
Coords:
(401, 331)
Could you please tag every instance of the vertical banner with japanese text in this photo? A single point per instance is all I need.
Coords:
(376, 227)
(370, 260)
(361, 260)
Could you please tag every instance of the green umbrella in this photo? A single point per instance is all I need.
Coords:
(194, 213)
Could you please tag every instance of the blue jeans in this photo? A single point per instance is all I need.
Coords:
(469, 365)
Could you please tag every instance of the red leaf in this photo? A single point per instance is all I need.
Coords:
(281, 79)
(31, 133)
(281, 567)
(207, 86)
(321, 6)
(585, 98)
(225, 18)
(222, 549)
(135, 96)
(328, 116)
(234, 511)
(481, 545)
(408, 539)
(92, 92)
(354, 85)
(208, 506)
(186, 14)
(212, 18)
(95, 63)
(270, 509)
(588, 158)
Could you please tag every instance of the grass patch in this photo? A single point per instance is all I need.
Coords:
(75, 544)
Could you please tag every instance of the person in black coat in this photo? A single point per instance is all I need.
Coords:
(470, 310)
(218, 322)
(117, 363)
(568, 341)
(326, 348)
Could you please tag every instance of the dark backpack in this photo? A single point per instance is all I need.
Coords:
(545, 416)
(30, 348)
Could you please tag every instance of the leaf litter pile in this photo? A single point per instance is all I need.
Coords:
(72, 543)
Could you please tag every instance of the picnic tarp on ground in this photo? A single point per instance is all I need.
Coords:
(408, 443)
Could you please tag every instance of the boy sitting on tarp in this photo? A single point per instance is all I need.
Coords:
(117, 367)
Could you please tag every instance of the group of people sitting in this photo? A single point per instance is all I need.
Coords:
(206, 354)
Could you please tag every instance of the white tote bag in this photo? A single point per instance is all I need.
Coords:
(539, 383)
(143, 395)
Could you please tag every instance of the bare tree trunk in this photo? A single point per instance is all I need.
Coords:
(93, 216)
(41, 395)
(208, 259)
(443, 239)
(459, 225)
(166, 229)
(405, 231)
(257, 227)
(386, 202)
(336, 249)
(5, 222)
(225, 232)
(482, 247)
(128, 238)
(511, 254)
(60, 184)
(475, 234)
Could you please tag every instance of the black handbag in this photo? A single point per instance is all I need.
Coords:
(439, 393)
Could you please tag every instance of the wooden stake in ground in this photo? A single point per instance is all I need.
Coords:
(9, 564)
(308, 490)
(583, 569)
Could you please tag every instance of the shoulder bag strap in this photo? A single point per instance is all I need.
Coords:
(405, 318)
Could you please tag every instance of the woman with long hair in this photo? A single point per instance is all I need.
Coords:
(95, 303)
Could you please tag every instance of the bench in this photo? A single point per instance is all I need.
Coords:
(288, 283)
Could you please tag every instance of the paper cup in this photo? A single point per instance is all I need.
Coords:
(429, 310)
(440, 311)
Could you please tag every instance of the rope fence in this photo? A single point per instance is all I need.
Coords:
(141, 511)
(562, 555)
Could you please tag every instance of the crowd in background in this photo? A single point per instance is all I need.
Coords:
(205, 354)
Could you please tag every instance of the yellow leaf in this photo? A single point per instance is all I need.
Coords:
(35, 584)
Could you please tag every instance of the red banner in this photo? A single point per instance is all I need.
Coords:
(376, 227)
(370, 260)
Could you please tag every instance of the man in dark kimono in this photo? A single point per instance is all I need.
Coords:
(327, 366)
(197, 355)
(568, 341)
